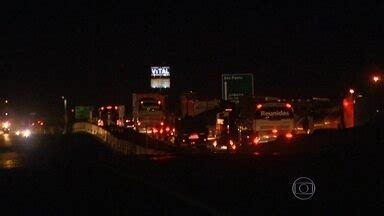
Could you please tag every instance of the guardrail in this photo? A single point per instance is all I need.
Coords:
(122, 146)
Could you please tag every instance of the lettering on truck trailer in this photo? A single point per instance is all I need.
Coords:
(274, 113)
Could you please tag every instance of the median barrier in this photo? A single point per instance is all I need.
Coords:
(120, 145)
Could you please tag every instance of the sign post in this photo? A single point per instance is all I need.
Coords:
(235, 86)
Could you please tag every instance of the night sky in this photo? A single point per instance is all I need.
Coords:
(96, 52)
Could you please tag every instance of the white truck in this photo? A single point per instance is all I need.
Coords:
(148, 111)
(264, 120)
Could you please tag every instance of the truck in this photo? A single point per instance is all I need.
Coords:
(111, 115)
(148, 111)
(226, 131)
(361, 109)
(263, 119)
(193, 106)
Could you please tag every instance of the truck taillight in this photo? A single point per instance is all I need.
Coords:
(193, 136)
(288, 135)
(231, 143)
(256, 140)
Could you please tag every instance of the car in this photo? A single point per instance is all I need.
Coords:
(191, 133)
(224, 144)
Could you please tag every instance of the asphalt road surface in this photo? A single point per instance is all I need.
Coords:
(75, 174)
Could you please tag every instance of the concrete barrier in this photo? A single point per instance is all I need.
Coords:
(122, 146)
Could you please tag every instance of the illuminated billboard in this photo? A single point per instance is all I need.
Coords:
(160, 77)
(160, 71)
(160, 83)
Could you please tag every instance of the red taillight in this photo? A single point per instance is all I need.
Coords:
(231, 143)
(233, 147)
(109, 107)
(193, 137)
(288, 135)
(275, 131)
(116, 107)
(167, 129)
(102, 108)
(259, 106)
(256, 140)
(289, 106)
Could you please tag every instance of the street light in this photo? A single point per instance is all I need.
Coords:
(65, 114)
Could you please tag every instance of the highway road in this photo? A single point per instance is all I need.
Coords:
(75, 174)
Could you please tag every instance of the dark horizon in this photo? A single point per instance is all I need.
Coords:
(101, 52)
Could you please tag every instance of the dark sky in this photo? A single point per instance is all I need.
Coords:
(102, 52)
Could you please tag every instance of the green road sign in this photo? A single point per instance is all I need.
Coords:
(83, 112)
(234, 86)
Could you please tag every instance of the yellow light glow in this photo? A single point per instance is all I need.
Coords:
(215, 143)
(27, 133)
(6, 125)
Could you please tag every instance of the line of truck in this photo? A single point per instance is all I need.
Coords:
(253, 121)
